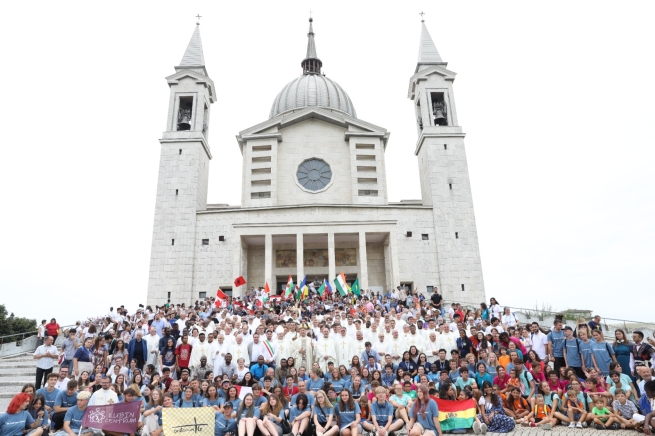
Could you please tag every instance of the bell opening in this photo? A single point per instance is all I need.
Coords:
(185, 113)
(439, 109)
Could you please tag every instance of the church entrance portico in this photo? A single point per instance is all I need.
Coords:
(317, 256)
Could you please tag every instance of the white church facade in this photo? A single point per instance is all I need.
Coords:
(314, 192)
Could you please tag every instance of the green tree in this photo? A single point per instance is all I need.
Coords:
(10, 324)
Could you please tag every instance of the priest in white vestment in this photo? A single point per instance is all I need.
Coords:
(432, 348)
(382, 346)
(447, 340)
(398, 346)
(302, 350)
(240, 351)
(201, 348)
(283, 348)
(344, 355)
(325, 350)
(153, 348)
(220, 350)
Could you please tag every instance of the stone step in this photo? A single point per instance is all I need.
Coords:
(4, 365)
(17, 372)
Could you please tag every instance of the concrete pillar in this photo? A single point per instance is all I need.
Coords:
(299, 257)
(268, 262)
(363, 263)
(395, 270)
(331, 260)
(236, 267)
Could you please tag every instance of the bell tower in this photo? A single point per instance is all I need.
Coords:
(183, 178)
(444, 176)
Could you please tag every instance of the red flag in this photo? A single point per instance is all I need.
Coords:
(266, 288)
(258, 303)
(220, 294)
(239, 281)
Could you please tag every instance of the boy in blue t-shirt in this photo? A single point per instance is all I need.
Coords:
(381, 417)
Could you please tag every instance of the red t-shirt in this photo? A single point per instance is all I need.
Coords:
(52, 329)
(183, 352)
(502, 383)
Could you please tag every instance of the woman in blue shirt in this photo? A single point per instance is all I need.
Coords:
(211, 397)
(152, 415)
(324, 416)
(481, 376)
(337, 382)
(348, 412)
(271, 416)
(187, 400)
(38, 405)
(424, 415)
(247, 416)
(17, 418)
(603, 353)
(299, 415)
(357, 387)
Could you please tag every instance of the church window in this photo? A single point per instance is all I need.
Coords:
(176, 192)
(266, 194)
(314, 174)
(430, 289)
(445, 146)
(456, 235)
(172, 241)
(180, 151)
(365, 146)
(425, 237)
(439, 110)
(205, 242)
(221, 238)
(463, 287)
(169, 295)
(408, 234)
(368, 192)
(202, 294)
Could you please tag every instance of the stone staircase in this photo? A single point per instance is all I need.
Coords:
(14, 373)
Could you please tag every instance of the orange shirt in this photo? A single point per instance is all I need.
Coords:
(504, 360)
(541, 412)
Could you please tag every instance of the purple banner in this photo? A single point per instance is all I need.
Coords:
(119, 417)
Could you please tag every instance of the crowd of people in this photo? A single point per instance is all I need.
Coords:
(331, 364)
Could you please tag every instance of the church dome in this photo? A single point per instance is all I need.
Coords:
(312, 90)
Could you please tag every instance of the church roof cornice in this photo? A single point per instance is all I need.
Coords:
(332, 116)
(423, 75)
(200, 79)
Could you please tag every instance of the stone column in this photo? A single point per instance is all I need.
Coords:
(299, 257)
(268, 262)
(363, 263)
(331, 261)
(236, 266)
(395, 270)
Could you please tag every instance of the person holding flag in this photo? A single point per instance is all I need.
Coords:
(302, 289)
(341, 285)
(289, 287)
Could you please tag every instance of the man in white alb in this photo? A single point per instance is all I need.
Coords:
(325, 350)
(104, 396)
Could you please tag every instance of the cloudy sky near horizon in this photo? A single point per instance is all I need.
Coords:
(556, 99)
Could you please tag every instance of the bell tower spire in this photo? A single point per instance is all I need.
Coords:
(311, 64)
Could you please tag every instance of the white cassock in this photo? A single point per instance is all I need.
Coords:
(428, 332)
(241, 351)
(356, 348)
(448, 341)
(430, 348)
(199, 350)
(382, 347)
(325, 352)
(398, 347)
(219, 355)
(302, 351)
(283, 350)
(415, 340)
(344, 355)
(153, 345)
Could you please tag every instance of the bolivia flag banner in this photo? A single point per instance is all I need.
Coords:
(456, 414)
(340, 283)
(355, 288)
(289, 288)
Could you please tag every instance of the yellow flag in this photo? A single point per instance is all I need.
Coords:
(191, 421)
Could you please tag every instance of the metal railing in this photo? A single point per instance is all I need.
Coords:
(20, 343)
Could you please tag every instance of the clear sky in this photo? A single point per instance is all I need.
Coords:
(556, 99)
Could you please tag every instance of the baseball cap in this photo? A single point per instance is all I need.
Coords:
(228, 404)
(568, 327)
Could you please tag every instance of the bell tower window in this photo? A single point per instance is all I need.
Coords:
(439, 109)
(184, 113)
